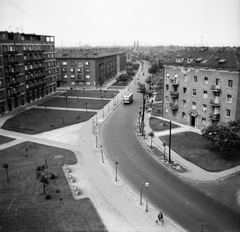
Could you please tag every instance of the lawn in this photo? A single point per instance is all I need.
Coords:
(193, 148)
(91, 93)
(75, 103)
(157, 109)
(23, 205)
(157, 124)
(4, 139)
(41, 120)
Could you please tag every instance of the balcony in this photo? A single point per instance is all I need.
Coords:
(174, 106)
(10, 52)
(12, 62)
(174, 81)
(216, 88)
(174, 94)
(214, 117)
(215, 102)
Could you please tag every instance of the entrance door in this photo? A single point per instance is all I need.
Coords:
(193, 119)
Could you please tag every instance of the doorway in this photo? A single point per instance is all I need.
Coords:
(193, 120)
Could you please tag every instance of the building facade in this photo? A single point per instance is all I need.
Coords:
(202, 87)
(27, 69)
(77, 68)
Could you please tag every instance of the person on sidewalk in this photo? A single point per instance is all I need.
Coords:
(160, 218)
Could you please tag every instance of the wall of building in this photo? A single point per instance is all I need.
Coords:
(27, 69)
(189, 89)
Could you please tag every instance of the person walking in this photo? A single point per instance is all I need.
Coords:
(160, 218)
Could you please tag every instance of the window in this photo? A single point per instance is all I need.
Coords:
(194, 92)
(205, 94)
(204, 108)
(72, 76)
(78, 70)
(185, 78)
(1, 83)
(228, 113)
(183, 115)
(195, 79)
(229, 98)
(230, 83)
(184, 103)
(184, 90)
(88, 83)
(73, 83)
(87, 70)
(87, 63)
(166, 110)
(72, 70)
(65, 76)
(64, 63)
(205, 80)
(204, 121)
(64, 70)
(194, 105)
(87, 76)
(217, 81)
(166, 99)
(167, 75)
(167, 87)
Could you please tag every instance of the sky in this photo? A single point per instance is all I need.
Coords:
(121, 22)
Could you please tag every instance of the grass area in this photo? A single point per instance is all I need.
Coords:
(195, 149)
(41, 120)
(4, 139)
(91, 93)
(157, 124)
(23, 205)
(75, 103)
(157, 109)
(159, 97)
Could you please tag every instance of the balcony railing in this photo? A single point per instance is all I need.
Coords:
(214, 117)
(174, 81)
(215, 102)
(174, 94)
(174, 106)
(216, 88)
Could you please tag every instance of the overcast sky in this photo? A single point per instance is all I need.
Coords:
(121, 22)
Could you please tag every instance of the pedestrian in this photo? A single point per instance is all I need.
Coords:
(160, 218)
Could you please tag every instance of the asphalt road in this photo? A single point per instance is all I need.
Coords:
(185, 204)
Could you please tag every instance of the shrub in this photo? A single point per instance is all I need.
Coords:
(48, 197)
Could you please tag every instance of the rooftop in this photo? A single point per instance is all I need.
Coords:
(217, 58)
(85, 53)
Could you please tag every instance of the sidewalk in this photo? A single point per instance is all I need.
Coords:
(194, 172)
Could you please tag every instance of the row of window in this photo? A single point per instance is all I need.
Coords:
(87, 63)
(73, 70)
(20, 48)
(73, 76)
(205, 80)
(227, 112)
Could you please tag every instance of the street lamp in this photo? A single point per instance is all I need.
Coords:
(66, 103)
(146, 184)
(141, 193)
(164, 145)
(102, 153)
(86, 106)
(170, 139)
(116, 170)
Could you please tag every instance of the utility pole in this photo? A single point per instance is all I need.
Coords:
(170, 135)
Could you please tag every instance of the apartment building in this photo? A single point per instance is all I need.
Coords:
(86, 68)
(27, 69)
(202, 86)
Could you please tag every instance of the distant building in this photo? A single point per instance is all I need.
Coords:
(202, 87)
(27, 68)
(82, 68)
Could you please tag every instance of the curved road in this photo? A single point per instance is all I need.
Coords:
(184, 204)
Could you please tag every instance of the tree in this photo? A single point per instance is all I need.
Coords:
(5, 165)
(146, 94)
(43, 178)
(227, 139)
(235, 126)
(153, 69)
(152, 135)
(210, 134)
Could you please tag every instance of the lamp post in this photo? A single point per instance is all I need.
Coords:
(146, 184)
(116, 170)
(66, 103)
(102, 153)
(86, 106)
(164, 145)
(170, 134)
(141, 193)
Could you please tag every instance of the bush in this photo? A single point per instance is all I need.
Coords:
(48, 197)
(52, 175)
